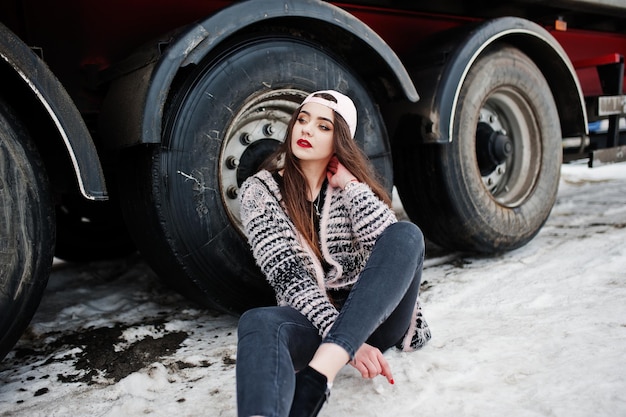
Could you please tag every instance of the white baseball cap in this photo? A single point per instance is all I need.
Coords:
(344, 106)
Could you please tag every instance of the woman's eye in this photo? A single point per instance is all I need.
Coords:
(324, 127)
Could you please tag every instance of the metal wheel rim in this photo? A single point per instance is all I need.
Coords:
(264, 117)
(512, 181)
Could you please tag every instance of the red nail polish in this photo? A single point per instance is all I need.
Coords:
(391, 381)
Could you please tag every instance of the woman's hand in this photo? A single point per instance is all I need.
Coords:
(370, 362)
(337, 174)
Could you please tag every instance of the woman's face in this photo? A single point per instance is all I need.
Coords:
(313, 132)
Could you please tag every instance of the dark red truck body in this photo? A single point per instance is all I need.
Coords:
(79, 38)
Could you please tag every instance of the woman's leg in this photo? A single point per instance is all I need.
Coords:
(386, 292)
(273, 343)
(390, 333)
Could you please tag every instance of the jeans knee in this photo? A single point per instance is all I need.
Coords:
(268, 321)
(408, 233)
(255, 320)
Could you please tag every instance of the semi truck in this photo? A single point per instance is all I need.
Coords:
(130, 125)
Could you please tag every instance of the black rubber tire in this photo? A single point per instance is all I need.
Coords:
(462, 204)
(91, 231)
(27, 229)
(225, 117)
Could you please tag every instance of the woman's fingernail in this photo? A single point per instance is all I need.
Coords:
(391, 381)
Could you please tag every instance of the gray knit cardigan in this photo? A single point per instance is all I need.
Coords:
(351, 221)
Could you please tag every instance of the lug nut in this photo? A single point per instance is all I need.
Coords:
(231, 192)
(268, 130)
(245, 139)
(232, 162)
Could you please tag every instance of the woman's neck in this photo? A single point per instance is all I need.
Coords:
(315, 174)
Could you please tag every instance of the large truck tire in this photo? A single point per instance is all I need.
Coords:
(492, 188)
(27, 229)
(224, 119)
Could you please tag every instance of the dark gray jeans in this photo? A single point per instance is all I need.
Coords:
(275, 342)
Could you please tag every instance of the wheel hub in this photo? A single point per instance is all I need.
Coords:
(492, 148)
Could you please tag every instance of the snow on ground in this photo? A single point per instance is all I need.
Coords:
(539, 331)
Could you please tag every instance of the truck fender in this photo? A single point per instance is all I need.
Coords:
(440, 82)
(47, 90)
(150, 80)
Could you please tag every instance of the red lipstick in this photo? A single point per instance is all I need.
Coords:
(303, 143)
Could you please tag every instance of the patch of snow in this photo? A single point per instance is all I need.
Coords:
(538, 331)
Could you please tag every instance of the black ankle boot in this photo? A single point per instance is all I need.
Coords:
(311, 393)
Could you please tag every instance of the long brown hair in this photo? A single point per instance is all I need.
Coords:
(295, 196)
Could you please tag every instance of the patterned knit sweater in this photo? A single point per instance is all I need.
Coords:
(351, 221)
